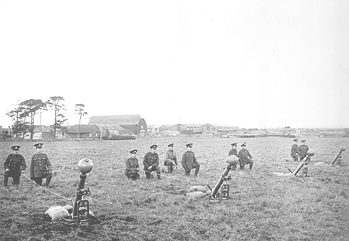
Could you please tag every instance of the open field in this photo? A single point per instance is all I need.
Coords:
(263, 206)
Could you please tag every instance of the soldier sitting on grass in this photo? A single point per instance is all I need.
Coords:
(245, 157)
(14, 165)
(151, 162)
(189, 161)
(132, 167)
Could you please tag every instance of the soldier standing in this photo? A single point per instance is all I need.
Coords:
(171, 158)
(245, 157)
(233, 152)
(295, 150)
(303, 150)
(151, 162)
(189, 161)
(14, 165)
(132, 167)
(40, 166)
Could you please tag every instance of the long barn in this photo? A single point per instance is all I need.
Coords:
(133, 123)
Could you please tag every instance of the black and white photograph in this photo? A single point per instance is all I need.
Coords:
(174, 120)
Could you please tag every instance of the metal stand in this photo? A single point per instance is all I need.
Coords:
(224, 195)
(81, 209)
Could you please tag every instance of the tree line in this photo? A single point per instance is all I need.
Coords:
(24, 113)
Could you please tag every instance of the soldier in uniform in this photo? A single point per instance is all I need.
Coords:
(40, 166)
(151, 162)
(171, 158)
(189, 161)
(245, 157)
(303, 150)
(233, 152)
(295, 150)
(14, 165)
(132, 167)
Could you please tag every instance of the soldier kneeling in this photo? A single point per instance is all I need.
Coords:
(132, 167)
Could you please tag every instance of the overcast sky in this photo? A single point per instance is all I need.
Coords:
(245, 63)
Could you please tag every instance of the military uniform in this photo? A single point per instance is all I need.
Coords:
(245, 157)
(13, 165)
(303, 150)
(189, 162)
(233, 152)
(132, 167)
(295, 150)
(151, 159)
(171, 159)
(40, 167)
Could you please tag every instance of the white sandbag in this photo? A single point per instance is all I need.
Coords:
(57, 212)
(68, 207)
(196, 195)
(198, 188)
(320, 164)
(281, 174)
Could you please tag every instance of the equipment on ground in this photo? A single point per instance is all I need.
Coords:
(305, 162)
(225, 189)
(338, 157)
(81, 209)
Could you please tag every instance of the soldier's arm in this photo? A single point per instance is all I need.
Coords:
(128, 166)
(184, 165)
(6, 163)
(145, 161)
(249, 154)
(48, 163)
(157, 160)
(23, 164)
(175, 158)
(167, 156)
(31, 168)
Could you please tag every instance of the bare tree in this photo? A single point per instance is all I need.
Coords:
(80, 110)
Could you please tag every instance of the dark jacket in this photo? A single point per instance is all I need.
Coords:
(16, 163)
(150, 159)
(39, 163)
(131, 164)
(189, 160)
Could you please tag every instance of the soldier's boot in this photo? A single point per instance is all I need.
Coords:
(158, 176)
(147, 175)
(170, 168)
(48, 180)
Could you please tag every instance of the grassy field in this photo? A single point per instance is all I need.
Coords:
(263, 206)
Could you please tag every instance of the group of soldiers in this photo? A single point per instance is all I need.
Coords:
(151, 161)
(15, 165)
(298, 153)
(40, 166)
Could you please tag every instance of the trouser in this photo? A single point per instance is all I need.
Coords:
(197, 168)
(38, 180)
(148, 172)
(294, 156)
(132, 175)
(15, 179)
(169, 165)
(244, 162)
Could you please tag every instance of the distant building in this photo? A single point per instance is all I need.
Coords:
(86, 131)
(135, 124)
